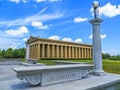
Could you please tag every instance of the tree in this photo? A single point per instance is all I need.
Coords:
(117, 57)
(106, 56)
(103, 56)
(3, 53)
(8, 53)
(22, 52)
(0, 53)
(16, 53)
(113, 57)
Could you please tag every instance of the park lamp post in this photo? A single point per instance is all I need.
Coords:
(96, 41)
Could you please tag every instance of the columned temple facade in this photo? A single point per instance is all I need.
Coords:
(39, 48)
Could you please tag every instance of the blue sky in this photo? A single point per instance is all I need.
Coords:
(65, 20)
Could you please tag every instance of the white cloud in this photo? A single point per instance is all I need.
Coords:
(39, 25)
(16, 1)
(24, 1)
(67, 39)
(111, 52)
(19, 32)
(108, 10)
(40, 0)
(47, 0)
(90, 36)
(9, 42)
(25, 39)
(102, 36)
(78, 40)
(55, 37)
(79, 19)
(54, 0)
(37, 17)
(15, 45)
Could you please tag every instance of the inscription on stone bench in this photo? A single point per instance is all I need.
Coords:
(52, 78)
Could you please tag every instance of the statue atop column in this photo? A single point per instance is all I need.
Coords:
(96, 9)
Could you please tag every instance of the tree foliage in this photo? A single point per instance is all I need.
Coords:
(8, 53)
(110, 57)
(13, 53)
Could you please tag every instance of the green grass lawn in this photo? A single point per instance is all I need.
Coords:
(110, 66)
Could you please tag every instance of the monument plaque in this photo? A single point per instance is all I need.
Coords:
(60, 76)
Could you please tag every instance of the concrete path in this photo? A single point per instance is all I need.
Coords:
(9, 81)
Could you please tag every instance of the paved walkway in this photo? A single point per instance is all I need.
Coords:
(9, 81)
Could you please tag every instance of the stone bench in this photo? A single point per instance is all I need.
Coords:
(48, 75)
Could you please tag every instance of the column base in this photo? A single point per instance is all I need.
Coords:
(98, 73)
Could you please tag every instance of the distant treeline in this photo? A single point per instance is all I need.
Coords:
(13, 53)
(110, 57)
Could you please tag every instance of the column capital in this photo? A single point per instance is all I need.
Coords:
(96, 21)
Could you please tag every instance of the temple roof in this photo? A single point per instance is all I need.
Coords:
(35, 39)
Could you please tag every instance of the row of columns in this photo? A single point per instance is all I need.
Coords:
(38, 51)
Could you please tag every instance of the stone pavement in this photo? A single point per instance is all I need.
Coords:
(9, 81)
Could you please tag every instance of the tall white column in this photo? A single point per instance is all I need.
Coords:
(27, 52)
(97, 53)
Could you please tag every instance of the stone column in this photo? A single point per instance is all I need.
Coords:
(79, 54)
(73, 52)
(69, 51)
(35, 51)
(48, 50)
(27, 52)
(61, 51)
(90, 53)
(32, 52)
(43, 50)
(53, 51)
(76, 52)
(97, 53)
(57, 51)
(38, 51)
(65, 52)
(86, 52)
(82, 54)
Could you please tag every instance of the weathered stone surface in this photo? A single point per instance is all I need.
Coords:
(47, 75)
